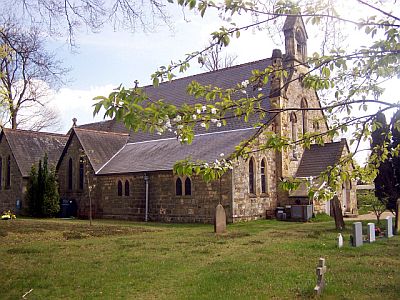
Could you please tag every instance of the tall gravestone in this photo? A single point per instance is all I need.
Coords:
(220, 219)
(389, 227)
(337, 213)
(371, 232)
(357, 234)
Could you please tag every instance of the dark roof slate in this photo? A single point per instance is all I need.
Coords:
(175, 92)
(108, 126)
(318, 158)
(28, 147)
(162, 154)
(100, 146)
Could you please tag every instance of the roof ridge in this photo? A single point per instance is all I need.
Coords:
(102, 131)
(196, 135)
(209, 72)
(35, 132)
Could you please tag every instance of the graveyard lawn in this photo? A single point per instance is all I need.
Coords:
(57, 259)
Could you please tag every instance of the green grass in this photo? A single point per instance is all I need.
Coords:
(264, 259)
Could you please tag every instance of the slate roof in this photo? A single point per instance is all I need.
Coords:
(162, 154)
(99, 146)
(28, 147)
(108, 126)
(318, 157)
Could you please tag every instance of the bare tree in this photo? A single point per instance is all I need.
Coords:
(214, 59)
(28, 72)
(66, 17)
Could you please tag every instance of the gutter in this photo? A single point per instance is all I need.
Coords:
(146, 180)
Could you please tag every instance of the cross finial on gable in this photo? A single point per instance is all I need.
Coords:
(74, 120)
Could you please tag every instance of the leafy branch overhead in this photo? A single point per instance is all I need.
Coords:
(349, 81)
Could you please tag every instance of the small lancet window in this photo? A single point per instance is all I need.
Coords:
(8, 174)
(126, 188)
(293, 123)
(1, 173)
(304, 107)
(251, 177)
(70, 174)
(119, 187)
(263, 177)
(81, 173)
(188, 186)
(178, 187)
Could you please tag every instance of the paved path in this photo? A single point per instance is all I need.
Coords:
(370, 216)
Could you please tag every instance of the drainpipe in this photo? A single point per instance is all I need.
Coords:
(146, 180)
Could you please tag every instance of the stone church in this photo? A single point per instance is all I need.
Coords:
(129, 175)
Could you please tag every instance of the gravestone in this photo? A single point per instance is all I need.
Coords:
(357, 234)
(321, 270)
(340, 240)
(220, 219)
(389, 227)
(337, 213)
(371, 232)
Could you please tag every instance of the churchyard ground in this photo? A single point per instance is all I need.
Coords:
(266, 259)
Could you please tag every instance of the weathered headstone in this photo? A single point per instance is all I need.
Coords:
(340, 240)
(389, 227)
(220, 219)
(321, 270)
(357, 234)
(337, 213)
(371, 232)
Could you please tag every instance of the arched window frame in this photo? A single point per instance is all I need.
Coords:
(8, 172)
(188, 186)
(127, 190)
(293, 125)
(178, 187)
(1, 172)
(81, 173)
(119, 188)
(70, 174)
(304, 115)
(252, 181)
(263, 176)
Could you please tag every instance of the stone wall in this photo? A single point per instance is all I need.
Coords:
(246, 205)
(164, 204)
(80, 196)
(16, 190)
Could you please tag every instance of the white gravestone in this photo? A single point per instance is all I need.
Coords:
(371, 232)
(357, 234)
(389, 227)
(340, 240)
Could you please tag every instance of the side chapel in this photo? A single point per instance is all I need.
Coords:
(129, 175)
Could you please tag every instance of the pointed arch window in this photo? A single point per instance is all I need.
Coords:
(126, 188)
(251, 177)
(119, 188)
(8, 173)
(293, 125)
(178, 187)
(263, 174)
(304, 116)
(70, 174)
(188, 187)
(81, 173)
(1, 173)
